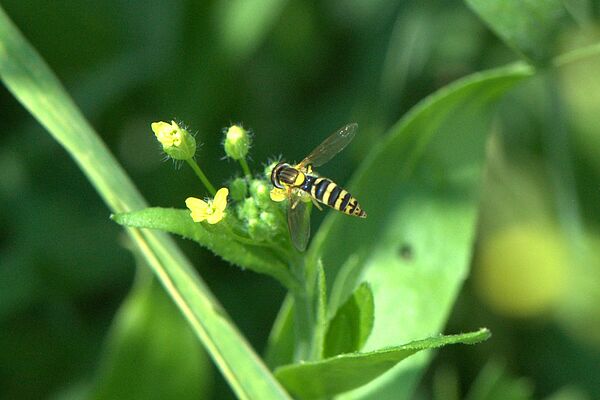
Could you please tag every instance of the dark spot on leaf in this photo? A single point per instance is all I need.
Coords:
(406, 252)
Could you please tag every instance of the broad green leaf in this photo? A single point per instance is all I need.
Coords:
(152, 353)
(215, 238)
(420, 188)
(351, 326)
(29, 79)
(528, 26)
(339, 374)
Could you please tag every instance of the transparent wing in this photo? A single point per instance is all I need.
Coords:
(299, 222)
(330, 147)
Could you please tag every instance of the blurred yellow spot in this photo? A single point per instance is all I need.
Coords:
(278, 195)
(579, 313)
(522, 271)
(212, 211)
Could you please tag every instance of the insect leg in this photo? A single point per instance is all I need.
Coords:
(294, 200)
(316, 203)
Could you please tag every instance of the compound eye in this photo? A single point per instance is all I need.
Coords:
(275, 178)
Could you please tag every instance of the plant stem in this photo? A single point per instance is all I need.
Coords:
(304, 315)
(245, 168)
(282, 254)
(192, 163)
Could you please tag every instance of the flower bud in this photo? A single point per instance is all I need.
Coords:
(265, 226)
(258, 229)
(238, 189)
(248, 209)
(177, 142)
(237, 142)
(270, 220)
(260, 191)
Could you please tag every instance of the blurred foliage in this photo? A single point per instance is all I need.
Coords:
(147, 324)
(294, 72)
(493, 382)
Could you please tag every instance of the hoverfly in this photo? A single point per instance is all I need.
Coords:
(300, 185)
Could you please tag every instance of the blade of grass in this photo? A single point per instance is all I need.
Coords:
(31, 81)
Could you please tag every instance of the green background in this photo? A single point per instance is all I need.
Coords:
(293, 72)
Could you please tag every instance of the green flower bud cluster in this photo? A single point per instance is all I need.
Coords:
(262, 218)
(259, 190)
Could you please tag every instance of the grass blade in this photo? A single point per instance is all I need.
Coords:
(30, 80)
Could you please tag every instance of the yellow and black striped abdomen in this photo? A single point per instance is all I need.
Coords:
(326, 191)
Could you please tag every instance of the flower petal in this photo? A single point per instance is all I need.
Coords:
(278, 194)
(220, 201)
(164, 132)
(199, 208)
(216, 217)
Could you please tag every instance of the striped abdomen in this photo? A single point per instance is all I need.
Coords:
(329, 193)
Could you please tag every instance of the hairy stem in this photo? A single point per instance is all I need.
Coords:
(304, 318)
(245, 167)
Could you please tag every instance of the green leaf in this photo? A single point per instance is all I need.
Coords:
(528, 26)
(420, 188)
(352, 324)
(29, 79)
(339, 374)
(280, 347)
(215, 238)
(152, 353)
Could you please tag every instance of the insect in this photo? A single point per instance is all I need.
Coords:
(300, 185)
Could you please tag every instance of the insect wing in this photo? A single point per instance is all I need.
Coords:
(330, 146)
(299, 222)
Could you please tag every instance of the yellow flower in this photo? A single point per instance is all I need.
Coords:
(212, 211)
(278, 194)
(168, 135)
(176, 141)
